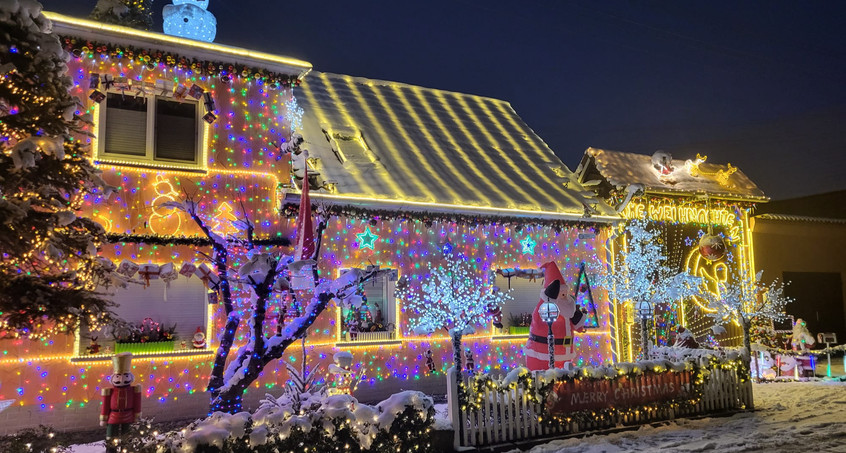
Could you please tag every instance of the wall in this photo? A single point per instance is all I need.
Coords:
(800, 246)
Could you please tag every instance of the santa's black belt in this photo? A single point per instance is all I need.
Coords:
(558, 341)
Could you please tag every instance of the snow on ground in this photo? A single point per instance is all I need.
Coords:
(790, 417)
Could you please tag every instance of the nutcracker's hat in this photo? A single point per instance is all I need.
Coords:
(122, 362)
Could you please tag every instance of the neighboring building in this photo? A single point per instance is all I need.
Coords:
(403, 171)
(686, 199)
(803, 241)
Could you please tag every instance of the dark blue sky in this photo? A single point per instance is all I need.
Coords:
(761, 84)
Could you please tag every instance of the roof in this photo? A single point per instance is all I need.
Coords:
(622, 169)
(98, 31)
(823, 207)
(799, 218)
(382, 141)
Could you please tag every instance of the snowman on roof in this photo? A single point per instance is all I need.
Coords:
(189, 19)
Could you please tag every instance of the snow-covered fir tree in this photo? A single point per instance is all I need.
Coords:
(452, 297)
(49, 269)
(130, 13)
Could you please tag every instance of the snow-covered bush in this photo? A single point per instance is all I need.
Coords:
(322, 424)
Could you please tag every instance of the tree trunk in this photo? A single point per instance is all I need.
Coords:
(227, 337)
(456, 355)
(229, 400)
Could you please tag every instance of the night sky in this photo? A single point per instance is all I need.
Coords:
(759, 84)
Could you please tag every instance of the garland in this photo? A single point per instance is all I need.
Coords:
(153, 58)
(196, 241)
(291, 210)
(833, 349)
(539, 393)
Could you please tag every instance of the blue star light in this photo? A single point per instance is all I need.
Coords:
(528, 245)
(367, 239)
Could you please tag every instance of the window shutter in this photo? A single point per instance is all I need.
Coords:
(176, 130)
(126, 125)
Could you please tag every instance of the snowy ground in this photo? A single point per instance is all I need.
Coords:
(790, 417)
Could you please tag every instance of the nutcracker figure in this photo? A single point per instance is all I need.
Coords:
(430, 361)
(121, 403)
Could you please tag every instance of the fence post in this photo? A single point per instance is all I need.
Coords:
(454, 408)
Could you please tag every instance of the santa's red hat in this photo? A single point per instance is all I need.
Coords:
(551, 273)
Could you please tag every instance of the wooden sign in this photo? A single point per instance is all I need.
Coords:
(624, 391)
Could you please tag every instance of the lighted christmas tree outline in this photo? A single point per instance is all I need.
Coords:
(223, 217)
(582, 278)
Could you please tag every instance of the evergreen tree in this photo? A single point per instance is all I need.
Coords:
(48, 269)
(129, 13)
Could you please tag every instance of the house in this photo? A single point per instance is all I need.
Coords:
(401, 172)
(803, 241)
(691, 201)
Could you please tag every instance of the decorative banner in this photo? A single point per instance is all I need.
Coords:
(623, 391)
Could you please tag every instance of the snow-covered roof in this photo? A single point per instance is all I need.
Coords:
(622, 169)
(426, 149)
(98, 31)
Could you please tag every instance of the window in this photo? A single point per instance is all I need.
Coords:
(150, 130)
(180, 308)
(517, 312)
(375, 318)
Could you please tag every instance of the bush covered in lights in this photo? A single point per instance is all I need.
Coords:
(322, 424)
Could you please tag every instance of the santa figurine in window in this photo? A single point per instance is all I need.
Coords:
(121, 403)
(570, 320)
(199, 340)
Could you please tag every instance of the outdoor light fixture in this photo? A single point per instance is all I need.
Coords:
(644, 311)
(548, 312)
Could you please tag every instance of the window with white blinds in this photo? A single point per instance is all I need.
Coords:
(176, 130)
(126, 120)
(147, 129)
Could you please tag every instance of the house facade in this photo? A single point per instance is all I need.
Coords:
(695, 205)
(401, 173)
(803, 241)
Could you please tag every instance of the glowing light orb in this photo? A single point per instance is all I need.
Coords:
(712, 247)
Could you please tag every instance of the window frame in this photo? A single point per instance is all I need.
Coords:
(390, 314)
(149, 159)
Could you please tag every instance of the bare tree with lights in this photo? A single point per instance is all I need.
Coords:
(642, 276)
(745, 297)
(49, 271)
(263, 273)
(451, 297)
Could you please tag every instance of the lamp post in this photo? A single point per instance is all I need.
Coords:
(548, 312)
(645, 312)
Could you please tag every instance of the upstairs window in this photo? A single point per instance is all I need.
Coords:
(150, 130)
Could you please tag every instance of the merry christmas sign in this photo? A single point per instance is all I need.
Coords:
(624, 391)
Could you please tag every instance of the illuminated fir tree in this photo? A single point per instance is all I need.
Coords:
(48, 270)
(451, 297)
(643, 278)
(130, 13)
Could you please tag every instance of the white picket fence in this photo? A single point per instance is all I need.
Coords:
(506, 416)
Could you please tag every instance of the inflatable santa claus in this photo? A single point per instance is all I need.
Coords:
(570, 320)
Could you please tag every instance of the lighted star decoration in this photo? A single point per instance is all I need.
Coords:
(367, 239)
(528, 245)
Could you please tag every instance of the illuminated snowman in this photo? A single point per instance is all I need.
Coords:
(189, 19)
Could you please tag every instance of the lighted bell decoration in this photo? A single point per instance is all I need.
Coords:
(189, 19)
(712, 247)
